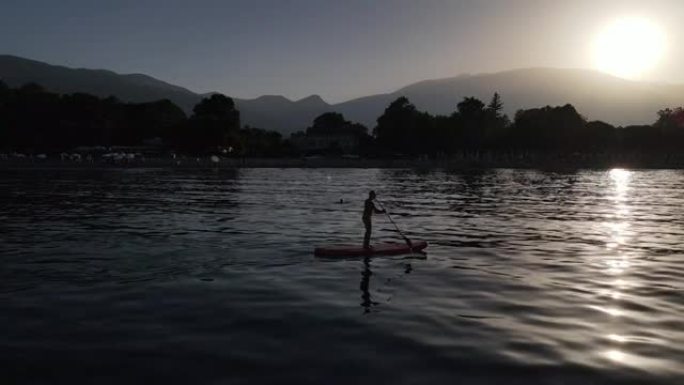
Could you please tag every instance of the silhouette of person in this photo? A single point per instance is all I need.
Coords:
(368, 210)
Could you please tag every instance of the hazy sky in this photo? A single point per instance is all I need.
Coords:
(339, 49)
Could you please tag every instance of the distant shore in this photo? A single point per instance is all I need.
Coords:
(547, 161)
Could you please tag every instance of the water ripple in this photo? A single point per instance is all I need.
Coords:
(531, 276)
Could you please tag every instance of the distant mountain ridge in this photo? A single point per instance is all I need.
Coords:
(270, 111)
(596, 95)
(280, 113)
(137, 88)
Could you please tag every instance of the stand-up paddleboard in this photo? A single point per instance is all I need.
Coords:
(378, 249)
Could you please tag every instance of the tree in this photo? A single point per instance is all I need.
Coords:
(470, 119)
(495, 124)
(218, 107)
(549, 128)
(88, 120)
(331, 127)
(334, 123)
(471, 109)
(329, 121)
(495, 105)
(671, 119)
(670, 128)
(214, 124)
(398, 126)
(4, 123)
(258, 142)
(151, 120)
(598, 136)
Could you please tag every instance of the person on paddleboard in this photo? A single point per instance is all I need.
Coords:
(368, 210)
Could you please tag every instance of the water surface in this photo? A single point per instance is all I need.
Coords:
(191, 276)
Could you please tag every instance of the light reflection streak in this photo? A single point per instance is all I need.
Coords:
(617, 264)
(615, 355)
(614, 294)
(620, 178)
(617, 338)
(615, 312)
(621, 357)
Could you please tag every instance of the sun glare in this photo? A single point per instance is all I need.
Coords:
(629, 47)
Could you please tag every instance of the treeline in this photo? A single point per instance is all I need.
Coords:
(33, 119)
(474, 126)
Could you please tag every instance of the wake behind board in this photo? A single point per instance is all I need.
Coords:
(379, 249)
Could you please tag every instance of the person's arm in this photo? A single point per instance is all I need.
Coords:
(375, 209)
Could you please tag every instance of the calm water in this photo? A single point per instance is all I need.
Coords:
(208, 277)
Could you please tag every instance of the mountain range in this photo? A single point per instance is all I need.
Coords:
(596, 95)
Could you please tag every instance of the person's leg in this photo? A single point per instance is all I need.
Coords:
(366, 237)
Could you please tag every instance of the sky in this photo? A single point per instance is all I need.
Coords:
(337, 49)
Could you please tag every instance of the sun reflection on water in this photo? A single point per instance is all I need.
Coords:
(615, 355)
(612, 311)
(621, 179)
(616, 263)
(617, 338)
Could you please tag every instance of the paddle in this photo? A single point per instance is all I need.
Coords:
(408, 241)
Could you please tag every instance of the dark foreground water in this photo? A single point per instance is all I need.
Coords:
(208, 277)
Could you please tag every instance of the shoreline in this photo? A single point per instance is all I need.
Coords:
(534, 162)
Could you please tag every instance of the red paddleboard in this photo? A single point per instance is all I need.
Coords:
(379, 249)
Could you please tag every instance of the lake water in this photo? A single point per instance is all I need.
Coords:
(208, 277)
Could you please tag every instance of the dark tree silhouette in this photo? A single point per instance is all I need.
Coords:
(214, 124)
(329, 121)
(671, 118)
(399, 127)
(151, 120)
(217, 107)
(471, 109)
(335, 123)
(670, 123)
(548, 128)
(255, 142)
(470, 120)
(4, 112)
(495, 105)
(328, 130)
(495, 124)
(597, 137)
(33, 120)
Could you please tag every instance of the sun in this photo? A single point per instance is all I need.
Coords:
(629, 47)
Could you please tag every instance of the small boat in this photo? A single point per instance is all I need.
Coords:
(379, 249)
